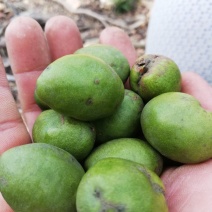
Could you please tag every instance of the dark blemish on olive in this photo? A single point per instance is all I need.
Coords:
(97, 81)
(97, 193)
(141, 63)
(143, 66)
(120, 208)
(92, 129)
(157, 188)
(89, 101)
(47, 68)
(135, 98)
(145, 172)
(109, 206)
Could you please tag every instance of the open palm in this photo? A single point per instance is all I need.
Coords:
(188, 188)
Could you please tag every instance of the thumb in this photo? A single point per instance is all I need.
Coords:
(196, 86)
(189, 187)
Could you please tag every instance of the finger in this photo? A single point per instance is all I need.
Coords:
(189, 187)
(4, 206)
(118, 38)
(63, 36)
(196, 86)
(12, 129)
(29, 55)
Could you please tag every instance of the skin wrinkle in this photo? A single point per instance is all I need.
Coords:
(12, 128)
(5, 89)
(10, 124)
(19, 76)
(11, 137)
(11, 114)
(3, 81)
(3, 85)
(8, 104)
(37, 69)
(32, 108)
(185, 201)
(172, 187)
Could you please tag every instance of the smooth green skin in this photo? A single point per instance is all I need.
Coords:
(115, 184)
(127, 148)
(125, 121)
(152, 75)
(80, 86)
(74, 136)
(41, 104)
(39, 178)
(111, 56)
(178, 127)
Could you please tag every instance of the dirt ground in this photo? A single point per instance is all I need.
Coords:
(91, 16)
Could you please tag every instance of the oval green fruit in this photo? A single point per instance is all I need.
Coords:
(115, 184)
(127, 148)
(74, 136)
(178, 127)
(124, 122)
(109, 55)
(39, 177)
(152, 75)
(80, 86)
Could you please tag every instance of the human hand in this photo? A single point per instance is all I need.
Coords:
(29, 54)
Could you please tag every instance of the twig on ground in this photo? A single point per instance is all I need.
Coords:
(103, 19)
